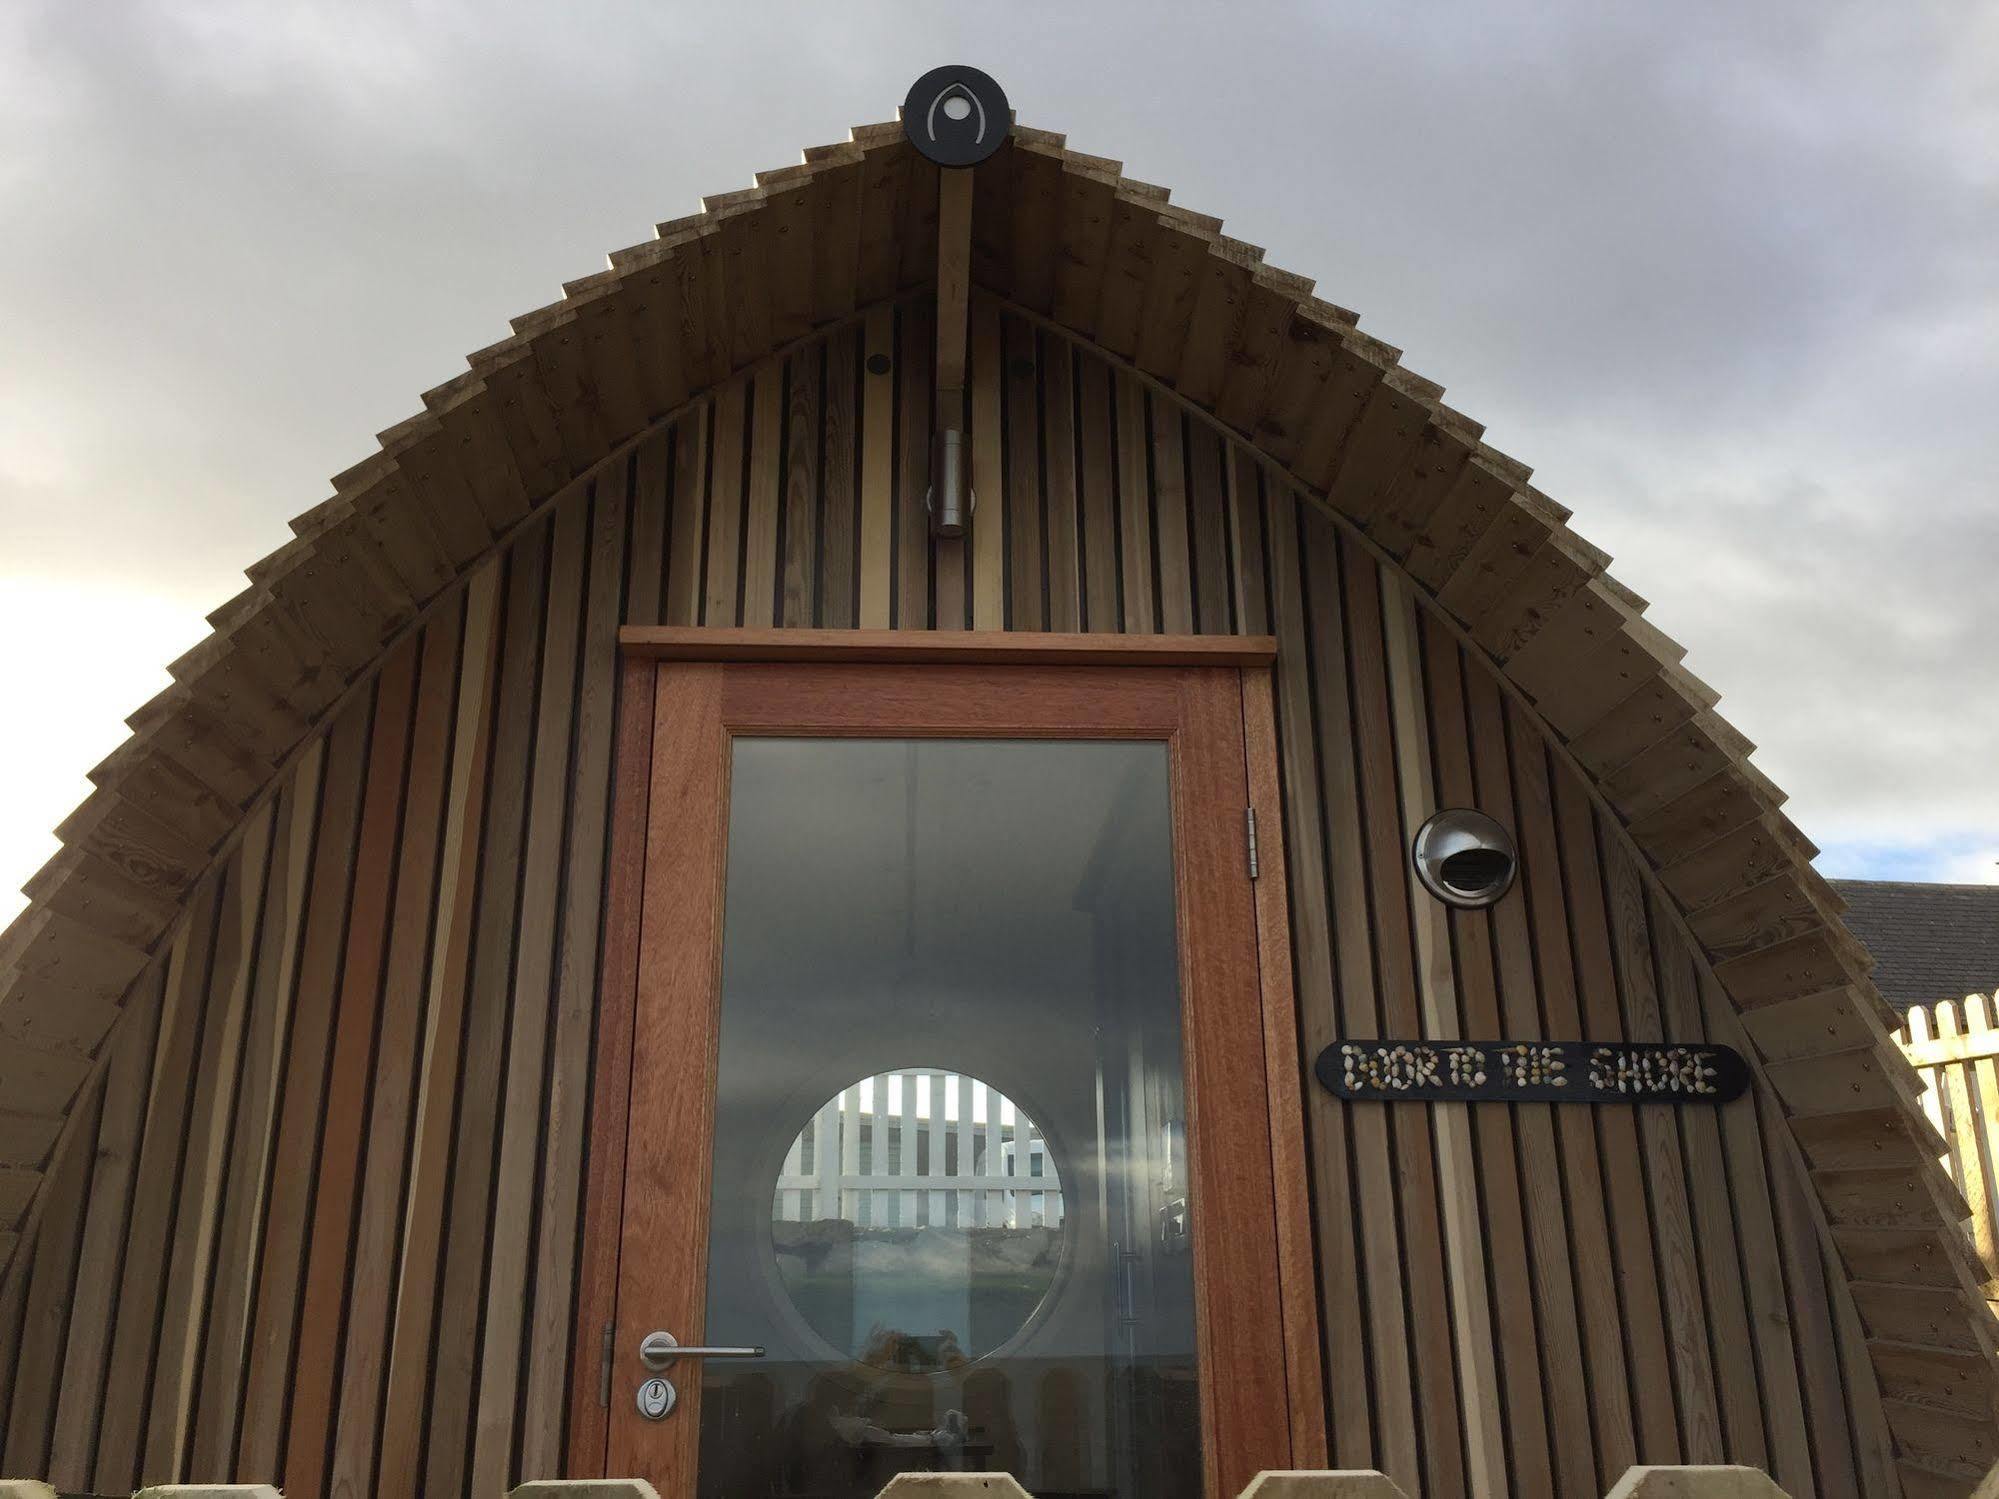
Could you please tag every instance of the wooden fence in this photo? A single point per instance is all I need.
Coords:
(1637, 1483)
(1954, 1046)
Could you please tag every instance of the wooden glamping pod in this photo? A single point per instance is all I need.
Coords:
(622, 870)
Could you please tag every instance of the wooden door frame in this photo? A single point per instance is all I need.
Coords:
(594, 1366)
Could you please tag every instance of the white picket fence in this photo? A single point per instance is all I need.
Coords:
(920, 1148)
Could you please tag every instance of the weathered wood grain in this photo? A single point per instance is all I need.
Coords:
(1108, 505)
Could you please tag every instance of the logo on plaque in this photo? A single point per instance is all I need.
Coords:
(956, 116)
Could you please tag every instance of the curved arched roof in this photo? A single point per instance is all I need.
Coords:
(1067, 238)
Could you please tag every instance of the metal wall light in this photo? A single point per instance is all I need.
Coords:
(1464, 858)
(949, 497)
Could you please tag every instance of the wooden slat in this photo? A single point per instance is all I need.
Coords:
(382, 1214)
(1397, 1353)
(398, 1466)
(1304, 1374)
(998, 647)
(839, 517)
(1983, 1114)
(1134, 216)
(885, 178)
(1426, 1248)
(986, 539)
(453, 1381)
(760, 508)
(916, 420)
(1058, 461)
(564, 1110)
(1177, 270)
(51, 1292)
(1764, 1274)
(508, 1253)
(1035, 194)
(1026, 552)
(1872, 1441)
(835, 240)
(878, 456)
(954, 275)
(1631, 1221)
(1971, 1145)
(1134, 507)
(1098, 496)
(184, 1308)
(1723, 1308)
(1169, 516)
(88, 1344)
(1466, 1246)
(1559, 1332)
(1222, 281)
(349, 1068)
(686, 517)
(603, 1206)
(148, 1239)
(1978, 1043)
(13, 1309)
(645, 590)
(722, 603)
(1249, 604)
(239, 1240)
(267, 1381)
(1633, 947)
(1543, 892)
(1342, 1302)
(1435, 683)
(1207, 515)
(1088, 201)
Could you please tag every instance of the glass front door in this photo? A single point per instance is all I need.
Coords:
(946, 1133)
(950, 1195)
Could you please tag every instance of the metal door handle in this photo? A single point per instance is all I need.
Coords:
(658, 1350)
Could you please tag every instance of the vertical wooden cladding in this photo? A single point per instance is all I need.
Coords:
(319, 1223)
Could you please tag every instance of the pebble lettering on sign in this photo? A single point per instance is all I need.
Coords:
(1533, 1071)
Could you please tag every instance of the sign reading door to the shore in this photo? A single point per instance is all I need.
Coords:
(1533, 1071)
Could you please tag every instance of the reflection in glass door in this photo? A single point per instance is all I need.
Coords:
(950, 1187)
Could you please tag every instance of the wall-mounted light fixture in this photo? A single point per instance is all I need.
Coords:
(949, 497)
(1464, 858)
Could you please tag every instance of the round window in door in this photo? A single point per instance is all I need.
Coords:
(917, 1221)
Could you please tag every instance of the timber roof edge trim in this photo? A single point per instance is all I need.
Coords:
(1066, 239)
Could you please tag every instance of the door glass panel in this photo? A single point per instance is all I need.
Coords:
(917, 1221)
(950, 1178)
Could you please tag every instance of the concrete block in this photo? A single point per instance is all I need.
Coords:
(584, 1488)
(1322, 1483)
(1694, 1482)
(954, 1486)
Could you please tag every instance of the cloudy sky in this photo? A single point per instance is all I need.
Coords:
(1727, 275)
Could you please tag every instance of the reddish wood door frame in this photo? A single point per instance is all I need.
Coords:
(1260, 1375)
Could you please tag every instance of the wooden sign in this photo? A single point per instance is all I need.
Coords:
(1533, 1071)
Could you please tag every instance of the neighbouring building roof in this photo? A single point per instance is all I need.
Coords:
(1929, 942)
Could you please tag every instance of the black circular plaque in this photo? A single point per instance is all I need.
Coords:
(956, 116)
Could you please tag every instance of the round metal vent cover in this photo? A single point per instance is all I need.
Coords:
(1465, 858)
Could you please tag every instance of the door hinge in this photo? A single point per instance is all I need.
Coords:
(604, 1364)
(1249, 820)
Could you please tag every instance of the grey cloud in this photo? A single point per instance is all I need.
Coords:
(1722, 273)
